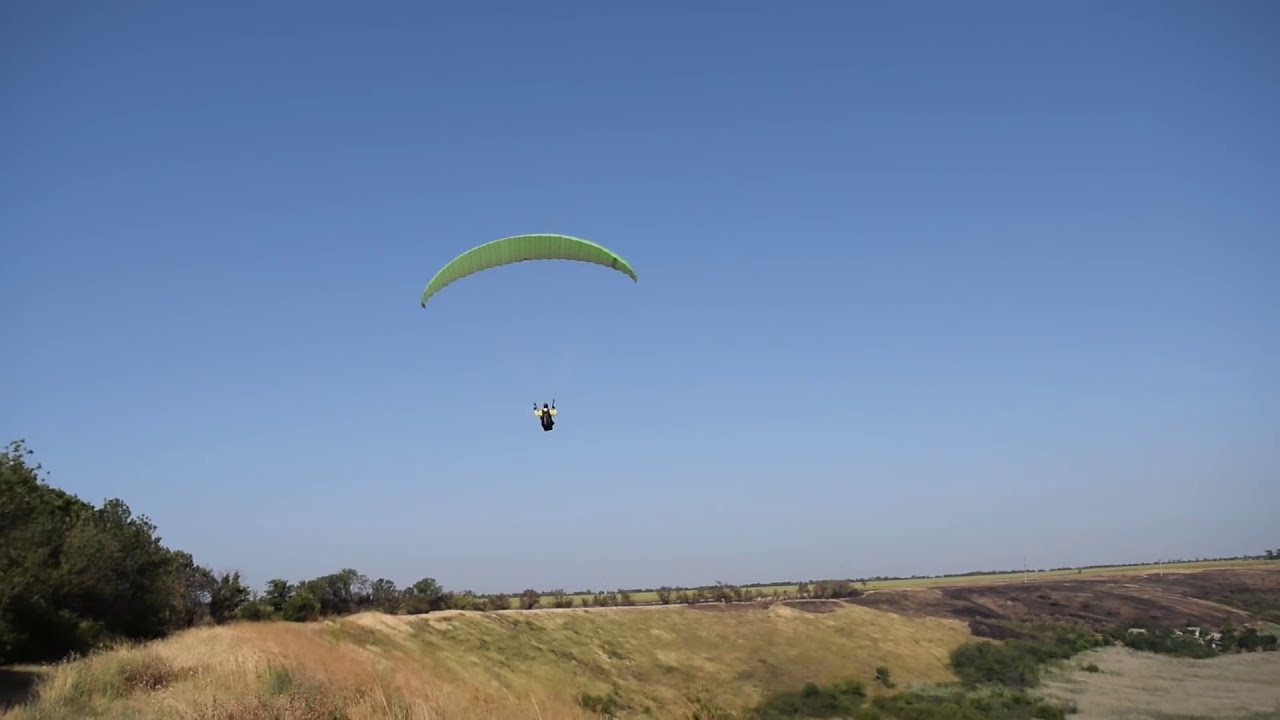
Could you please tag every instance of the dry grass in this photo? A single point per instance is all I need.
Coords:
(497, 665)
(1144, 686)
(949, 580)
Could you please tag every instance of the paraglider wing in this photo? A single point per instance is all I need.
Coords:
(518, 248)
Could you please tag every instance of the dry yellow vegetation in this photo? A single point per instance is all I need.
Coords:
(1142, 686)
(514, 664)
(1189, 566)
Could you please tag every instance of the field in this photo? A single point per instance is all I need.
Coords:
(1170, 599)
(1141, 686)
(655, 660)
(789, 590)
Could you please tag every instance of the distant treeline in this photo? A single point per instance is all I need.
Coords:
(74, 576)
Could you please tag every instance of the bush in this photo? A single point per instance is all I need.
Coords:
(1016, 663)
(147, 672)
(989, 663)
(838, 700)
(1002, 705)
(253, 612)
(703, 707)
(301, 607)
(1165, 643)
(608, 705)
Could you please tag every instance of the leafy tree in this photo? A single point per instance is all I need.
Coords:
(340, 593)
(192, 586)
(278, 593)
(72, 574)
(301, 606)
(384, 596)
(424, 596)
(227, 597)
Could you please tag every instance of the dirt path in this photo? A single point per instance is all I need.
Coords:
(17, 684)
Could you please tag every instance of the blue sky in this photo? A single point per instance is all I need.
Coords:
(922, 287)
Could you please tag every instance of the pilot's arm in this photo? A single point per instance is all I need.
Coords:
(553, 411)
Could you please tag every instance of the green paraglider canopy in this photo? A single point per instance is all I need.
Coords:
(518, 248)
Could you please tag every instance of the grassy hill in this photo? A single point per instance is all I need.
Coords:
(535, 664)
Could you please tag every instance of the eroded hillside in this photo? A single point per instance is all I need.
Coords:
(504, 665)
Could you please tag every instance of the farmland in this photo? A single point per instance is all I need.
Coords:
(794, 589)
(668, 660)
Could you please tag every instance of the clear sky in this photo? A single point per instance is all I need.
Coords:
(923, 286)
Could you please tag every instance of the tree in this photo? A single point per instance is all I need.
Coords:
(193, 589)
(424, 596)
(278, 593)
(302, 606)
(384, 595)
(529, 599)
(340, 593)
(73, 574)
(227, 597)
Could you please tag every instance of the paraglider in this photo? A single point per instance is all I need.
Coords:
(519, 248)
(546, 415)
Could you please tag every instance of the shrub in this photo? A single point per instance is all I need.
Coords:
(1166, 643)
(608, 705)
(987, 662)
(147, 672)
(1016, 663)
(253, 612)
(301, 607)
(1001, 705)
(838, 700)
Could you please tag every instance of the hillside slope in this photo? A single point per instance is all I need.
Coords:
(1207, 597)
(1141, 686)
(532, 664)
